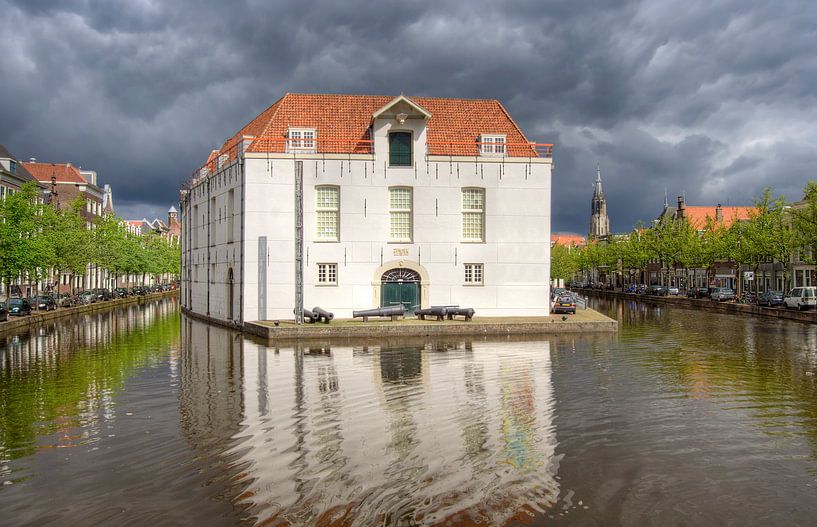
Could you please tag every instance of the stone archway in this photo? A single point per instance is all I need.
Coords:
(397, 265)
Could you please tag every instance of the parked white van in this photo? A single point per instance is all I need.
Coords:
(801, 298)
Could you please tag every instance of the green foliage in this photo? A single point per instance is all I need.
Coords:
(773, 231)
(35, 237)
(564, 262)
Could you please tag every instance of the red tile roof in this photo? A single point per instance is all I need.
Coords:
(567, 239)
(697, 215)
(65, 173)
(343, 120)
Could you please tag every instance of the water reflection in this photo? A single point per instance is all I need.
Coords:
(59, 379)
(418, 433)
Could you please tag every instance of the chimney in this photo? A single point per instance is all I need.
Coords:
(718, 213)
(681, 208)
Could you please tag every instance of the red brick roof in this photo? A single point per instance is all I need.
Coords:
(697, 215)
(342, 120)
(65, 173)
(567, 239)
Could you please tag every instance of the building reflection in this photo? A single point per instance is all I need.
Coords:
(385, 432)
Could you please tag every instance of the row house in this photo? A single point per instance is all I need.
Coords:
(351, 202)
(65, 183)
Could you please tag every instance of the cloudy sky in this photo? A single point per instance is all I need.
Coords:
(714, 100)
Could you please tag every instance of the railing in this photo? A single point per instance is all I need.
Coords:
(489, 149)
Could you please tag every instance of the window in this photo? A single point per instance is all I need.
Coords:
(302, 140)
(473, 214)
(400, 214)
(12, 166)
(473, 274)
(400, 149)
(327, 212)
(492, 145)
(327, 274)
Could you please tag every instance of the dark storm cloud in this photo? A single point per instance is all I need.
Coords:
(714, 100)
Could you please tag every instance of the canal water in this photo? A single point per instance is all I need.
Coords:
(142, 416)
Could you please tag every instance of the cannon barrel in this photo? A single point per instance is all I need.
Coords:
(309, 316)
(324, 314)
(390, 311)
(465, 312)
(437, 311)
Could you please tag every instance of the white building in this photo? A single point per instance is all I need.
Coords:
(379, 200)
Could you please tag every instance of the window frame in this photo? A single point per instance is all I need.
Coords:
(410, 134)
(465, 211)
(489, 145)
(409, 211)
(470, 271)
(335, 210)
(297, 143)
(326, 270)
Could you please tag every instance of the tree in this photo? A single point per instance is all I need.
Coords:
(563, 262)
(23, 251)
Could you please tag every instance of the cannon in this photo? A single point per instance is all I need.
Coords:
(323, 315)
(434, 311)
(391, 311)
(309, 316)
(468, 313)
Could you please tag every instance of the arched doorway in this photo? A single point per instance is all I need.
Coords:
(400, 286)
(230, 293)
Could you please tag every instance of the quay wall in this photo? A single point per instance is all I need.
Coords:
(38, 317)
(809, 316)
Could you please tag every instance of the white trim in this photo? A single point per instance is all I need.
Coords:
(302, 140)
(493, 145)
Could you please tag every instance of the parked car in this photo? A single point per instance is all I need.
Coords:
(770, 298)
(721, 294)
(139, 290)
(657, 290)
(65, 300)
(698, 292)
(564, 304)
(86, 297)
(18, 307)
(43, 303)
(4, 312)
(801, 298)
(120, 292)
(103, 294)
(673, 291)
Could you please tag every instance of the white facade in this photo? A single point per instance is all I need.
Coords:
(239, 224)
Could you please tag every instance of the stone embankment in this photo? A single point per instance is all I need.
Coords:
(809, 316)
(37, 317)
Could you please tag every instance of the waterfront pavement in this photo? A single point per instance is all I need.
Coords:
(584, 321)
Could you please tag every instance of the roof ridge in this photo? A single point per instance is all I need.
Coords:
(280, 103)
(518, 128)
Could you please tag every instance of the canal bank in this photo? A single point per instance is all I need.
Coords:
(584, 321)
(750, 310)
(38, 317)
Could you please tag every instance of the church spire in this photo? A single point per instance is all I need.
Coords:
(599, 222)
(597, 192)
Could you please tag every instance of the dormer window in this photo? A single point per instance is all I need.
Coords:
(492, 144)
(400, 149)
(12, 166)
(302, 140)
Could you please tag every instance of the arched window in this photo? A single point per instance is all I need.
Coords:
(400, 149)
